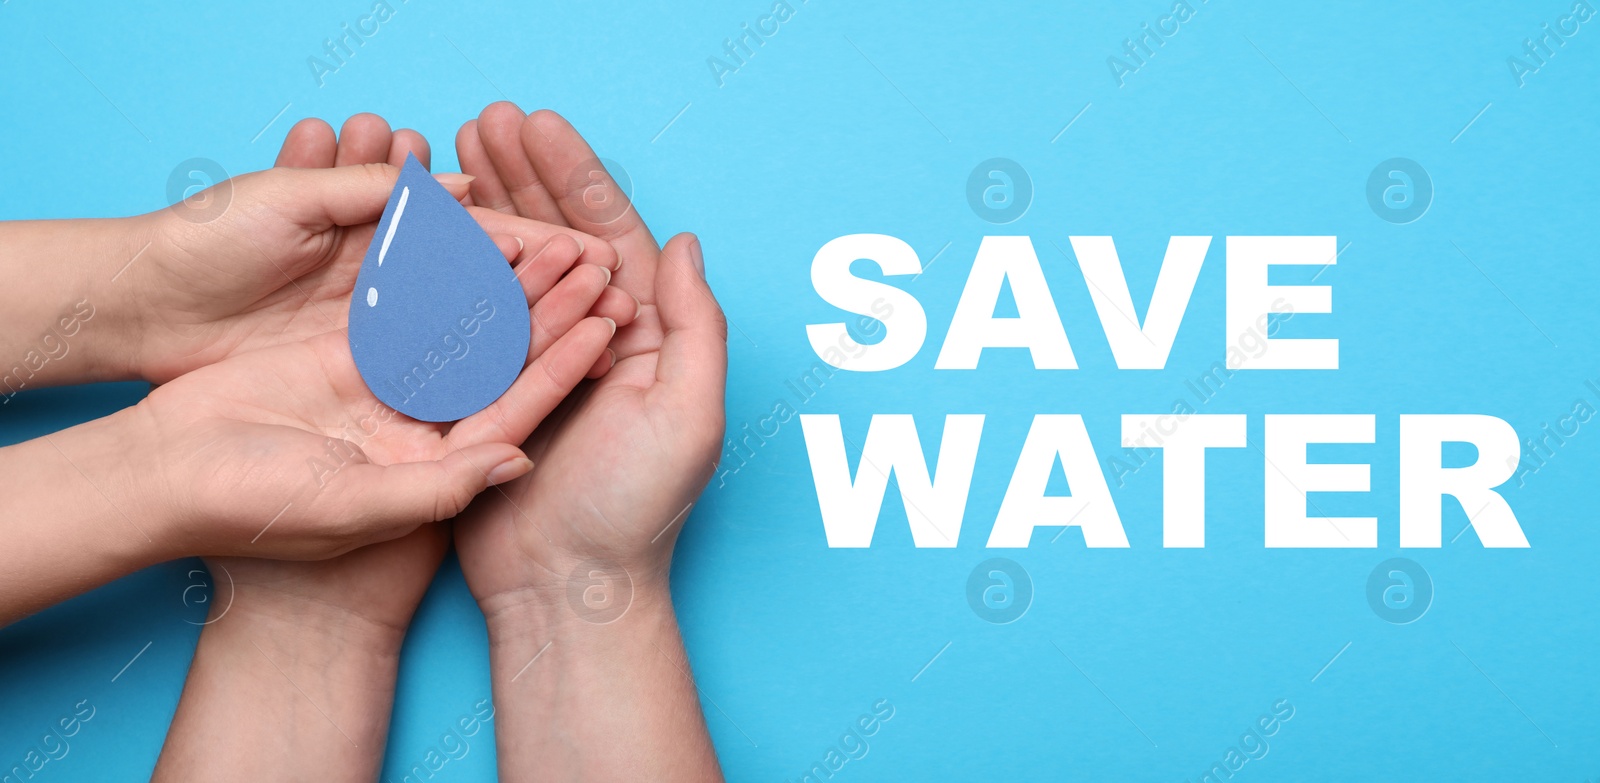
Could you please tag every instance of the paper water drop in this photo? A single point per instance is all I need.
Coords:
(438, 322)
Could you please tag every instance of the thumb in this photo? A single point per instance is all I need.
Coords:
(345, 195)
(694, 349)
(386, 501)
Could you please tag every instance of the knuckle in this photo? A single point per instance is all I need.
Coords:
(380, 172)
(719, 324)
(451, 497)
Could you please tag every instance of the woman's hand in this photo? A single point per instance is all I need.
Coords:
(282, 451)
(334, 626)
(270, 257)
(376, 587)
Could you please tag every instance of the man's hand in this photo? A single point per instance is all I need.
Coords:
(618, 466)
(616, 470)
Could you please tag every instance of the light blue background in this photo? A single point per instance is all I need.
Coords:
(1172, 653)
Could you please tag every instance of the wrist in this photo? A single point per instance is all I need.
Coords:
(153, 322)
(119, 462)
(548, 646)
(577, 595)
(103, 469)
(319, 703)
(78, 320)
(82, 517)
(301, 629)
(599, 621)
(563, 682)
(135, 249)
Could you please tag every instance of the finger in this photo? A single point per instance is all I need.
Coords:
(364, 138)
(541, 269)
(459, 185)
(500, 128)
(487, 190)
(407, 141)
(565, 305)
(321, 198)
(510, 247)
(309, 145)
(694, 348)
(540, 388)
(536, 234)
(589, 198)
(381, 502)
(618, 305)
(341, 196)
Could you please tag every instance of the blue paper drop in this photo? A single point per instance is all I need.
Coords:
(439, 325)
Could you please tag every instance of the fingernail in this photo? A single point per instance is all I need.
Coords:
(638, 307)
(696, 257)
(611, 323)
(608, 275)
(513, 468)
(449, 178)
(579, 240)
(520, 247)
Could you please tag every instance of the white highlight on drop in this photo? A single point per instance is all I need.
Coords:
(394, 223)
(372, 297)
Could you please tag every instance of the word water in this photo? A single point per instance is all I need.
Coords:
(439, 325)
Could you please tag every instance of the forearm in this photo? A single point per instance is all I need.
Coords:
(292, 694)
(76, 516)
(62, 320)
(565, 690)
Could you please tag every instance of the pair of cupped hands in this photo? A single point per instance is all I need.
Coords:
(261, 449)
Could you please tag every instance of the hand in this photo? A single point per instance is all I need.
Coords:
(114, 470)
(262, 418)
(271, 257)
(377, 586)
(617, 468)
(615, 472)
(284, 452)
(383, 583)
(335, 626)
